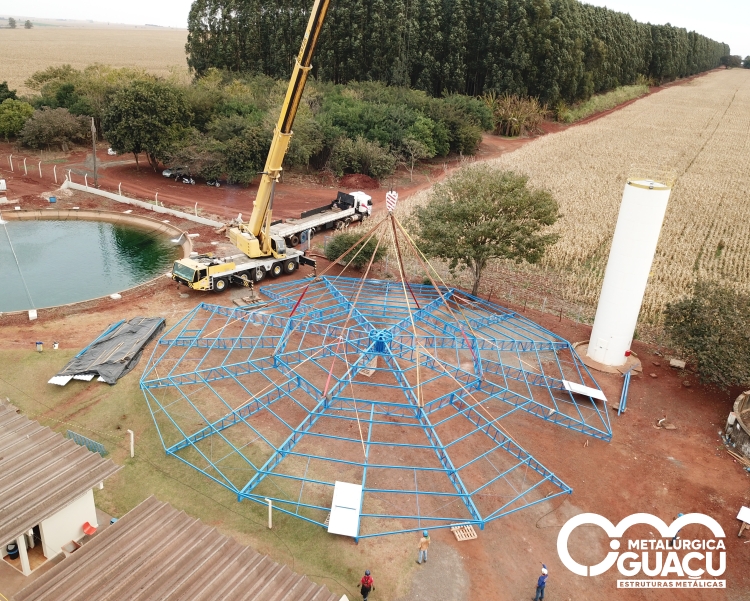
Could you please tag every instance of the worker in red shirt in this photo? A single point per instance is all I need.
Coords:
(367, 585)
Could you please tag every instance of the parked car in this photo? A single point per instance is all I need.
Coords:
(175, 172)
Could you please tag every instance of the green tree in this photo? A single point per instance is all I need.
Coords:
(414, 151)
(146, 116)
(55, 127)
(28, 24)
(342, 248)
(6, 92)
(481, 214)
(746, 62)
(13, 116)
(11, 22)
(712, 328)
(731, 61)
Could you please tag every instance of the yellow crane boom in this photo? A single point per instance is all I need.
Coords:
(260, 219)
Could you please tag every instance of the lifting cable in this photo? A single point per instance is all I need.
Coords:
(18, 264)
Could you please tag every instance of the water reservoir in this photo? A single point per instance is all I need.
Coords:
(48, 263)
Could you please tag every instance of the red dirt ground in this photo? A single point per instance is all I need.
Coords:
(643, 469)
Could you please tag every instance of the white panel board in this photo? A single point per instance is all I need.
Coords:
(584, 390)
(345, 509)
(84, 377)
(744, 514)
(59, 380)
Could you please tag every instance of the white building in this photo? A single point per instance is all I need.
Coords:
(46, 490)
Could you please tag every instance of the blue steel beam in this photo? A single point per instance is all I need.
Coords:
(298, 433)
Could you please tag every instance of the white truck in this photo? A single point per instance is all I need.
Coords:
(209, 273)
(346, 209)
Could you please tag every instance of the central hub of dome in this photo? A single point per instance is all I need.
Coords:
(381, 340)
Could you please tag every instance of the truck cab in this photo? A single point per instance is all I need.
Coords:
(202, 273)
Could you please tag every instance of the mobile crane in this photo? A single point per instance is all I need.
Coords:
(264, 251)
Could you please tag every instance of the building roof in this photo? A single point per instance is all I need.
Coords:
(41, 472)
(156, 553)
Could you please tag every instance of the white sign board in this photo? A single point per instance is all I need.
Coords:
(345, 509)
(584, 390)
(744, 515)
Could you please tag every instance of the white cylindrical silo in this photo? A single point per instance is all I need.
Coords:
(644, 203)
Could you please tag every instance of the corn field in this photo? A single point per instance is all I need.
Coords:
(700, 130)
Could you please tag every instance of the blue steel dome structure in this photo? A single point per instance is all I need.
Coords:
(400, 388)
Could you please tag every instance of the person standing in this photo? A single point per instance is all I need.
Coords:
(676, 534)
(366, 585)
(540, 584)
(424, 544)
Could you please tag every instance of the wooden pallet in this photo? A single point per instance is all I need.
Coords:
(247, 301)
(464, 532)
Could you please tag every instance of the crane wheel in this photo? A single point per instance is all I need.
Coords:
(293, 240)
(340, 225)
(220, 285)
(290, 266)
(276, 270)
(258, 274)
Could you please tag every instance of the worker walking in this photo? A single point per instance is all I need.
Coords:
(540, 584)
(424, 544)
(367, 585)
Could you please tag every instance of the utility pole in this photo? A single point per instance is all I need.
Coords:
(93, 141)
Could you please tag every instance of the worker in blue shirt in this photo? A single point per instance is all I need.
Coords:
(540, 584)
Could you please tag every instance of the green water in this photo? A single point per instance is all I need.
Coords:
(68, 261)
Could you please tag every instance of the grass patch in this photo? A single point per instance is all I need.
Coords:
(104, 413)
(602, 102)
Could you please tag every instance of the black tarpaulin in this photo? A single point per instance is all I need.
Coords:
(114, 353)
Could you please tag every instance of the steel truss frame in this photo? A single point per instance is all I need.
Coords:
(247, 397)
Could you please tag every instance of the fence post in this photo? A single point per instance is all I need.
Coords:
(132, 443)
(10, 160)
(24, 166)
(54, 171)
(119, 188)
(196, 214)
(270, 513)
(489, 296)
(156, 199)
(86, 179)
(70, 179)
(40, 169)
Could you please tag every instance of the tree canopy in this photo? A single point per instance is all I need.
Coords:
(342, 248)
(481, 213)
(146, 116)
(13, 116)
(6, 92)
(712, 327)
(550, 49)
(54, 127)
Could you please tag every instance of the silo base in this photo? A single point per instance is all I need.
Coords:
(632, 362)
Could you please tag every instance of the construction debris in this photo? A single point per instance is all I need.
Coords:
(677, 363)
(664, 424)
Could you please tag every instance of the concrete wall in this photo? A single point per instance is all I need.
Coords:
(737, 430)
(139, 203)
(67, 524)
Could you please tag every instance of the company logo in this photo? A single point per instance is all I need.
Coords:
(685, 560)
